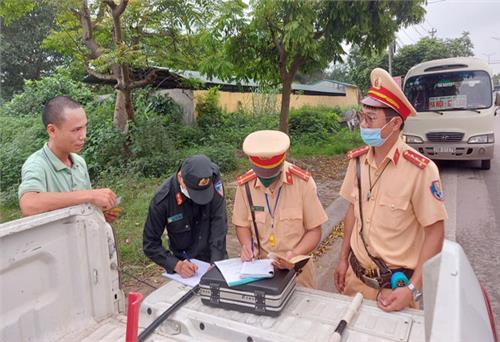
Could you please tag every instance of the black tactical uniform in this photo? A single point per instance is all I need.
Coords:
(194, 230)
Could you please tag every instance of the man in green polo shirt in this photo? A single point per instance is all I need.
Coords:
(55, 176)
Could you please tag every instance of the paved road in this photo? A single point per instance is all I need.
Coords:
(473, 203)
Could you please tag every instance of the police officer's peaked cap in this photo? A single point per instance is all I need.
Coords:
(385, 92)
(267, 151)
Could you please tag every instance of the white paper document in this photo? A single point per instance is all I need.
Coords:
(257, 268)
(230, 269)
(195, 279)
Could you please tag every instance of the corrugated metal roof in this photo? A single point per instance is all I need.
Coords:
(169, 79)
(322, 87)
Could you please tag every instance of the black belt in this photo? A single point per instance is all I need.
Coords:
(372, 278)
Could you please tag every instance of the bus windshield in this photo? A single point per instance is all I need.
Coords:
(450, 91)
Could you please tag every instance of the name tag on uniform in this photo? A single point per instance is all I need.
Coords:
(257, 208)
(175, 218)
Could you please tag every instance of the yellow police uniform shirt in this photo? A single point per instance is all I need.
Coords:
(406, 198)
(298, 210)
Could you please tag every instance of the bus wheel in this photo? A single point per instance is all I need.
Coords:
(485, 164)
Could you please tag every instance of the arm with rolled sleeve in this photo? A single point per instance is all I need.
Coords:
(218, 228)
(431, 213)
(32, 179)
(153, 230)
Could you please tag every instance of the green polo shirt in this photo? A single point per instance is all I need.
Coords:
(44, 172)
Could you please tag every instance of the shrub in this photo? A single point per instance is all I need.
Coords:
(209, 114)
(165, 106)
(222, 154)
(20, 138)
(314, 125)
(152, 151)
(36, 93)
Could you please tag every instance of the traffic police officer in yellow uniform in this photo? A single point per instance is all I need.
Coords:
(284, 201)
(395, 220)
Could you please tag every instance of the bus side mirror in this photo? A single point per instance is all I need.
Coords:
(497, 100)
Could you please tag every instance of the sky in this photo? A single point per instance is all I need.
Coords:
(481, 18)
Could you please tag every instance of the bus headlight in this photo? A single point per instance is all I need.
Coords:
(412, 139)
(482, 139)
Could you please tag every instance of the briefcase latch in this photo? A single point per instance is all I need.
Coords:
(214, 293)
(260, 301)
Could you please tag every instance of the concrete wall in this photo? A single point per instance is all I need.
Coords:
(232, 101)
(256, 102)
(185, 99)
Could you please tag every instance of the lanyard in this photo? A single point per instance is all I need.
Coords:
(275, 205)
(369, 194)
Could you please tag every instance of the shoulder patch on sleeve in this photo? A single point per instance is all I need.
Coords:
(297, 171)
(416, 159)
(437, 190)
(219, 188)
(358, 151)
(247, 177)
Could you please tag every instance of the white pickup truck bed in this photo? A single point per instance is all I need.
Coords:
(59, 282)
(310, 315)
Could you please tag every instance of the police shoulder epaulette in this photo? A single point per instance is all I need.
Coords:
(297, 171)
(358, 151)
(247, 177)
(416, 158)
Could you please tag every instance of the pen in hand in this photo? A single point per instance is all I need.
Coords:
(253, 252)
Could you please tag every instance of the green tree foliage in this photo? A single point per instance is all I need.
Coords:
(23, 57)
(113, 40)
(428, 49)
(496, 80)
(361, 64)
(36, 93)
(273, 39)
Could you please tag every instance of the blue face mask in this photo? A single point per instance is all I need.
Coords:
(373, 136)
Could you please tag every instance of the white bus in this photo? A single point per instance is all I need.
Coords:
(456, 106)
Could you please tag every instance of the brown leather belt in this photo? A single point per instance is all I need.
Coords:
(373, 278)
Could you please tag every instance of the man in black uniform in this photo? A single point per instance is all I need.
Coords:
(192, 207)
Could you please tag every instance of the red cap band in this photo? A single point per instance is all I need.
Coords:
(385, 96)
(268, 163)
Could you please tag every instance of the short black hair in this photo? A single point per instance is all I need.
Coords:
(391, 113)
(54, 109)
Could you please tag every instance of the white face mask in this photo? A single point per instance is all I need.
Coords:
(185, 192)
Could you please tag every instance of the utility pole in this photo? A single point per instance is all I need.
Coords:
(392, 47)
(488, 55)
(432, 32)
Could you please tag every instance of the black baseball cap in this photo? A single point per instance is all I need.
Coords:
(197, 172)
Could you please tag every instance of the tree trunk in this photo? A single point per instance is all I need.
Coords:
(124, 110)
(285, 103)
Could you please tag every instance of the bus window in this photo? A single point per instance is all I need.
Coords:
(449, 91)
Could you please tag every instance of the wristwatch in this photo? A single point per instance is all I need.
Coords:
(417, 295)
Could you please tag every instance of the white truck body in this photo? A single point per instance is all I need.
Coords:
(59, 282)
(455, 105)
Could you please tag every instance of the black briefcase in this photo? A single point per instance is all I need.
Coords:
(262, 297)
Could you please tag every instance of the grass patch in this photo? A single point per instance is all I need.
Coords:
(340, 143)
